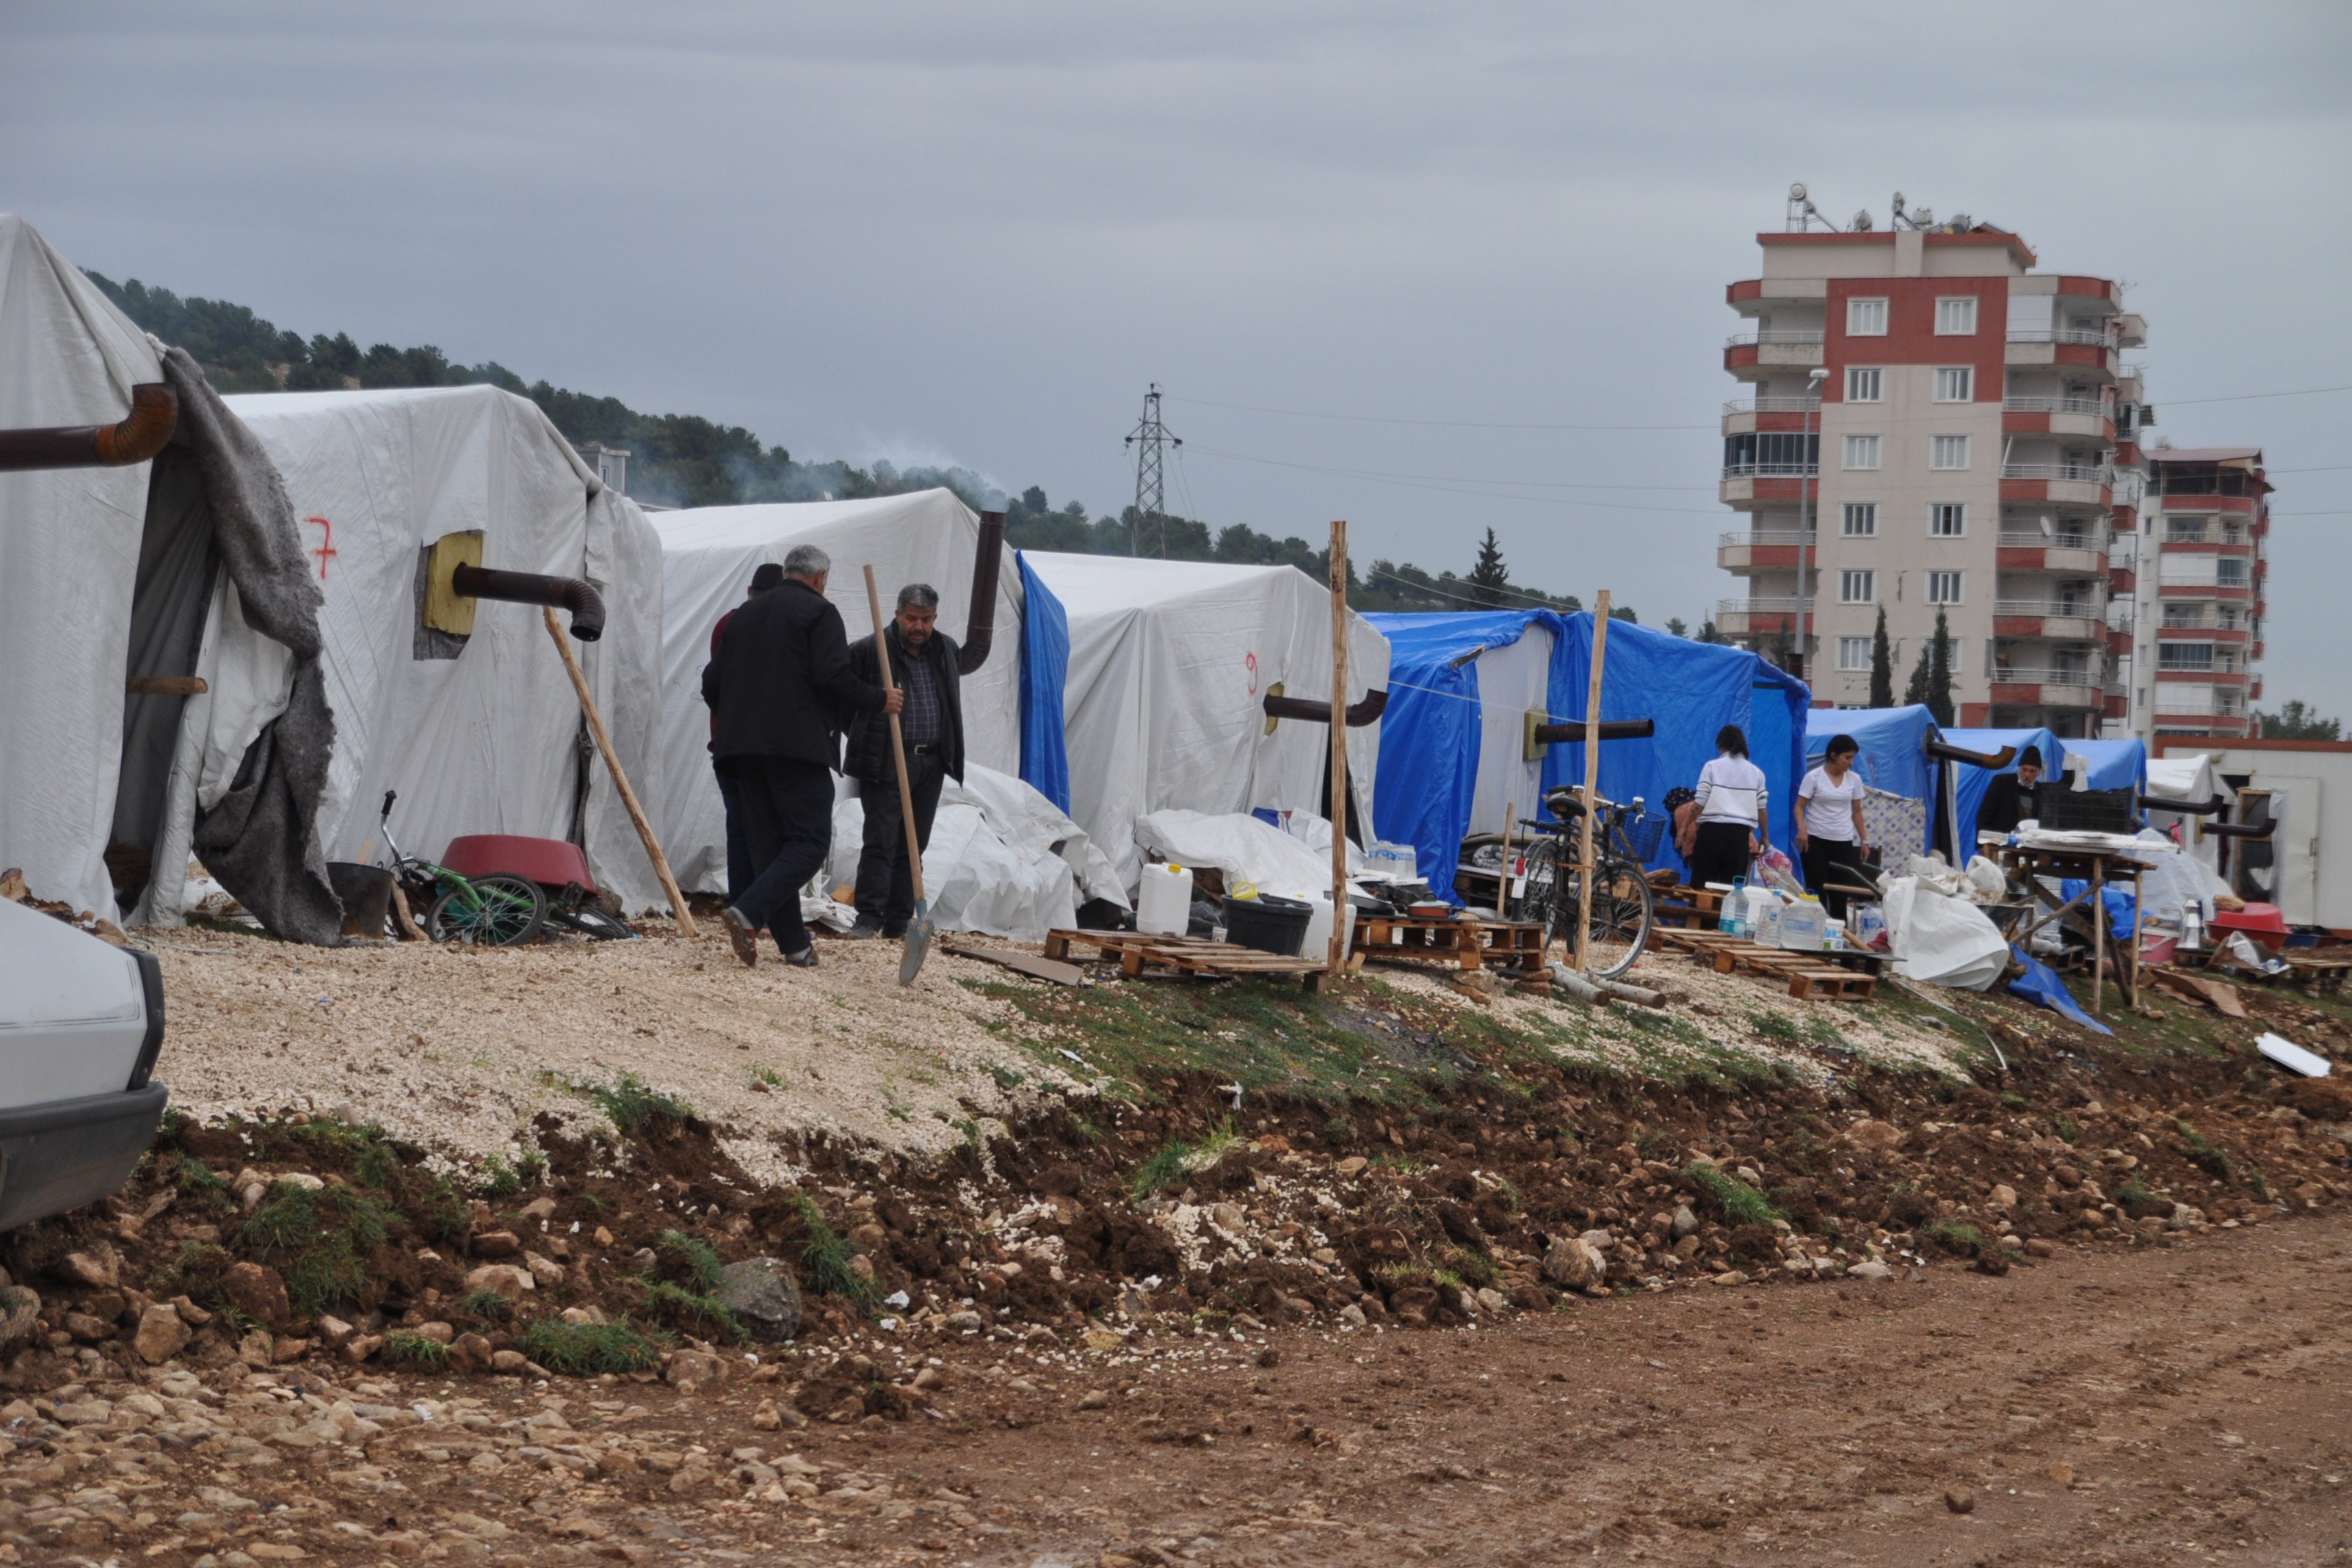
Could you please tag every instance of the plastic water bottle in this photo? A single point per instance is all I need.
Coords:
(1732, 920)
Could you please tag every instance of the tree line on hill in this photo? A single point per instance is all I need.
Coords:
(686, 460)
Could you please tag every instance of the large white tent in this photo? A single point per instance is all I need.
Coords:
(709, 555)
(481, 733)
(69, 559)
(1162, 699)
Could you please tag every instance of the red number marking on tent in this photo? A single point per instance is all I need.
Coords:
(326, 544)
(1249, 662)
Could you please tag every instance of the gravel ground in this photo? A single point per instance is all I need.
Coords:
(2166, 1403)
(458, 1049)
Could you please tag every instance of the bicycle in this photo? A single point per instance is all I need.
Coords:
(1623, 839)
(496, 910)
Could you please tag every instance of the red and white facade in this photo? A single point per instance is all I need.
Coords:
(2196, 579)
(1934, 424)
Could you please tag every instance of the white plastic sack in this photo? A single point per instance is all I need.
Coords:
(1986, 884)
(1939, 940)
(2175, 882)
(1239, 847)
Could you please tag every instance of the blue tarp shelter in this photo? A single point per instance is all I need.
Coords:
(2113, 764)
(1973, 780)
(1436, 713)
(1044, 669)
(1894, 755)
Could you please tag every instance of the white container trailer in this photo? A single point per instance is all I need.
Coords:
(2299, 783)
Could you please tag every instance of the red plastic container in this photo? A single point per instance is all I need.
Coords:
(2263, 922)
(550, 862)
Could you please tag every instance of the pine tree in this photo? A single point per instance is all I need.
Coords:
(1489, 578)
(1882, 664)
(1939, 673)
(1915, 690)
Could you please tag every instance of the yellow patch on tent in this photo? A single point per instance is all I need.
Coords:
(445, 609)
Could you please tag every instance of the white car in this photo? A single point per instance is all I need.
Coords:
(80, 1022)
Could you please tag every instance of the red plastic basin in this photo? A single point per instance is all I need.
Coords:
(551, 862)
(2264, 922)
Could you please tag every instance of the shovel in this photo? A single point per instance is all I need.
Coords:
(918, 930)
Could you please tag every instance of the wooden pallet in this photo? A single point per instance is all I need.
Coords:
(1458, 944)
(1690, 909)
(1135, 952)
(1809, 976)
(2320, 972)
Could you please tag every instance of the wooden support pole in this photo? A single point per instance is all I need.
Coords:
(620, 780)
(1592, 780)
(1342, 912)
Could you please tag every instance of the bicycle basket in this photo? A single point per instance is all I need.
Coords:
(1638, 836)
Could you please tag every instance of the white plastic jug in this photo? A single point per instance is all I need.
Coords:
(1766, 927)
(1804, 924)
(1318, 940)
(1164, 904)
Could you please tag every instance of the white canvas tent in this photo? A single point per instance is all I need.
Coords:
(709, 555)
(480, 734)
(1169, 662)
(70, 542)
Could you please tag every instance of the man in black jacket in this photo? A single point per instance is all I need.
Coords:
(778, 687)
(2012, 798)
(927, 667)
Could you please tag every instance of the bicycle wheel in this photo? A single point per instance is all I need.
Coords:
(590, 920)
(487, 911)
(1622, 911)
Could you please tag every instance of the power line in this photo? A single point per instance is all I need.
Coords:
(1438, 424)
(1456, 488)
(2249, 396)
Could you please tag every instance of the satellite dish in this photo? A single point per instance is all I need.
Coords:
(1797, 192)
(2049, 530)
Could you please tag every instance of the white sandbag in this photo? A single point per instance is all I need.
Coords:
(1239, 847)
(1940, 940)
(1986, 884)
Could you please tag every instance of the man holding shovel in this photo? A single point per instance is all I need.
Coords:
(925, 670)
(779, 686)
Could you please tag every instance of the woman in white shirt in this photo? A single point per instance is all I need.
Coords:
(1829, 835)
(1733, 818)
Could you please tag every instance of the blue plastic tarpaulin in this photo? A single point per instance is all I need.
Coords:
(1893, 756)
(2112, 764)
(1045, 666)
(2040, 983)
(1973, 780)
(1430, 731)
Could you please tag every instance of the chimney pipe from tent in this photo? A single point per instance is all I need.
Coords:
(979, 630)
(587, 606)
(135, 438)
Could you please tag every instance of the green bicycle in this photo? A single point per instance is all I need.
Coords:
(497, 910)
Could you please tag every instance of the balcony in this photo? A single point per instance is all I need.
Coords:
(1758, 616)
(2061, 620)
(1761, 549)
(2100, 338)
(2026, 687)
(2076, 484)
(1748, 484)
(2080, 350)
(1773, 406)
(1750, 355)
(2087, 417)
(2080, 555)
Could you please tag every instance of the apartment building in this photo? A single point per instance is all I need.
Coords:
(2191, 587)
(1933, 424)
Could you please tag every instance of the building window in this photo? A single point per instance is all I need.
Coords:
(1955, 384)
(2184, 530)
(2177, 615)
(1957, 318)
(1865, 386)
(1853, 653)
(1857, 587)
(2230, 572)
(1943, 588)
(2184, 656)
(1867, 318)
(1861, 520)
(1948, 519)
(1948, 452)
(1862, 451)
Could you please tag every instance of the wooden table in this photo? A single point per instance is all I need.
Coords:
(2097, 868)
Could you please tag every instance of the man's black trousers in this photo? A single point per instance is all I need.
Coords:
(886, 880)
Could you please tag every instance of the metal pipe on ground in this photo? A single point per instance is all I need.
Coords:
(135, 438)
(587, 605)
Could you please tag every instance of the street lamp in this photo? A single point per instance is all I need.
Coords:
(1805, 448)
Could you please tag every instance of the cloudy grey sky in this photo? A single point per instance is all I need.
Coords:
(936, 231)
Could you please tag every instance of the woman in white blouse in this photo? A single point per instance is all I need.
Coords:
(1830, 836)
(1734, 819)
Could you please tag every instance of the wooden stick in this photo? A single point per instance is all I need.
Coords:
(1591, 779)
(898, 743)
(620, 780)
(1503, 893)
(1340, 909)
(2098, 934)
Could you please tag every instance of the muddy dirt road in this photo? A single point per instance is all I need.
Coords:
(2120, 1404)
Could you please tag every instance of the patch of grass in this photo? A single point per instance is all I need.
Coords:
(195, 1178)
(404, 1348)
(445, 1217)
(693, 1257)
(693, 1312)
(1473, 1268)
(499, 1179)
(1774, 1028)
(2135, 1191)
(1954, 1236)
(1397, 1163)
(1006, 1077)
(829, 1256)
(1741, 1203)
(588, 1349)
(761, 1073)
(2066, 1130)
(1338, 1131)
(1164, 1169)
(484, 1306)
(2200, 1152)
(1222, 1141)
(1509, 1192)
(320, 1241)
(631, 1106)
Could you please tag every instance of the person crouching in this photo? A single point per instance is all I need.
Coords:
(927, 667)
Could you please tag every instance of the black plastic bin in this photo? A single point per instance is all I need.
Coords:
(1268, 924)
(2086, 810)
